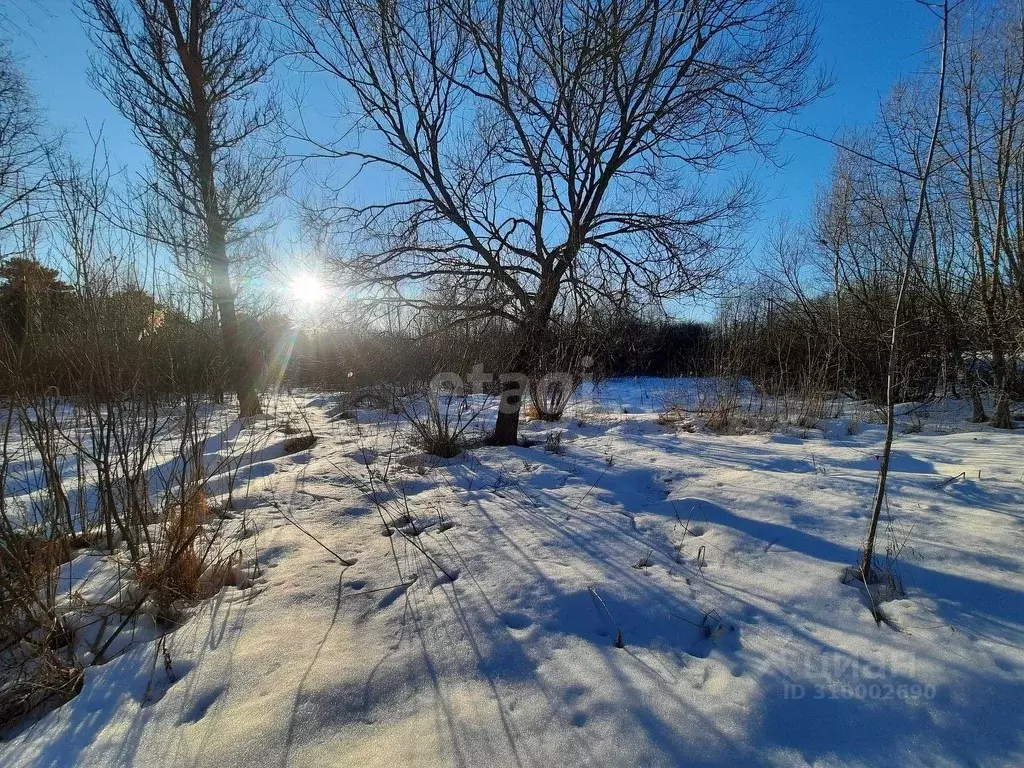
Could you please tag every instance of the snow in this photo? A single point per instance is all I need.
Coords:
(483, 630)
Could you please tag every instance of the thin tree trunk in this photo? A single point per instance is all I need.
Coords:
(241, 371)
(978, 414)
(1001, 418)
(890, 383)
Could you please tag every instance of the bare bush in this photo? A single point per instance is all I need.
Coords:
(442, 421)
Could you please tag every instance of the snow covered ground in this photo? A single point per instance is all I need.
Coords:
(645, 596)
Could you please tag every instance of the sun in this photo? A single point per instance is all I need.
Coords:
(307, 289)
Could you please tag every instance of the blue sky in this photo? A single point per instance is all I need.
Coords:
(867, 44)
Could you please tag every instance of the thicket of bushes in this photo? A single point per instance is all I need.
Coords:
(105, 412)
(837, 341)
(619, 345)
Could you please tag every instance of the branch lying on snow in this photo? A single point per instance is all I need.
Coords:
(619, 642)
(288, 519)
(950, 480)
(391, 526)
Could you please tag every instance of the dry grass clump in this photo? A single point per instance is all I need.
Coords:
(172, 573)
(553, 443)
(915, 427)
(720, 419)
(184, 567)
(289, 428)
(675, 418)
(300, 443)
(442, 430)
(442, 444)
(30, 556)
(44, 679)
(37, 666)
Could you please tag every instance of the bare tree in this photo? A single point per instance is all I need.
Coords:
(23, 150)
(907, 271)
(984, 141)
(551, 150)
(189, 75)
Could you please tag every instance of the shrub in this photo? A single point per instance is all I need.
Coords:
(553, 443)
(441, 422)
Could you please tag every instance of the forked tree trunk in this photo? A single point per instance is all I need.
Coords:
(527, 342)
(1001, 417)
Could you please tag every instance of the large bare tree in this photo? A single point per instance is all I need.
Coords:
(191, 77)
(547, 151)
(24, 151)
(983, 144)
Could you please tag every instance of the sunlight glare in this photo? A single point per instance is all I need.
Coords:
(307, 289)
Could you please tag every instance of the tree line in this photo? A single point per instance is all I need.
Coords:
(822, 306)
(550, 165)
(547, 161)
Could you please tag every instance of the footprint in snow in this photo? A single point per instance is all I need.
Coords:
(516, 620)
(198, 711)
(574, 692)
(364, 455)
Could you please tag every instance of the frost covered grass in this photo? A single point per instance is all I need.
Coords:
(644, 595)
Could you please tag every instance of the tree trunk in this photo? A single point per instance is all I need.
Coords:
(241, 371)
(506, 426)
(1001, 418)
(977, 406)
(890, 381)
(528, 336)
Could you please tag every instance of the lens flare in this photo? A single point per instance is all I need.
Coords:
(307, 289)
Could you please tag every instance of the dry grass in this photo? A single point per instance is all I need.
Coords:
(719, 419)
(553, 443)
(676, 418)
(184, 568)
(441, 444)
(443, 429)
(915, 427)
(300, 443)
(36, 666)
(173, 572)
(47, 681)
(288, 428)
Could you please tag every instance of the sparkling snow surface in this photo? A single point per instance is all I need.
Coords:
(716, 558)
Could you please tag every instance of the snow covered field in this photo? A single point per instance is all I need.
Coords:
(644, 596)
